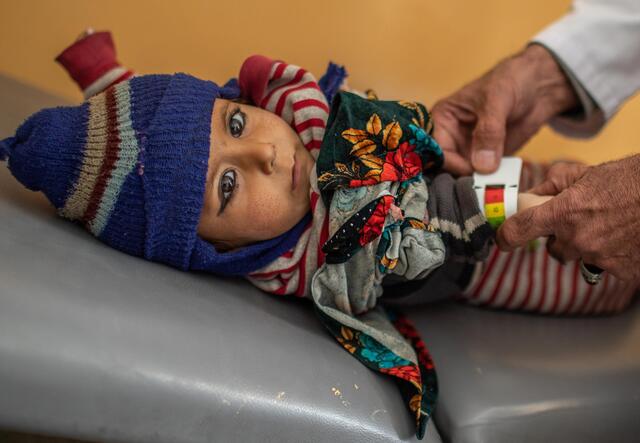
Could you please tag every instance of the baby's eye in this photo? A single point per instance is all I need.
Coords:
(227, 185)
(236, 123)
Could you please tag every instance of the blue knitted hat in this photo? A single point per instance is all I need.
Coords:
(130, 164)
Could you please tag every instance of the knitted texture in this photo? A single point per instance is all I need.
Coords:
(130, 165)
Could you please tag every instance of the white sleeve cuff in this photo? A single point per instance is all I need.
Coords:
(596, 44)
(590, 118)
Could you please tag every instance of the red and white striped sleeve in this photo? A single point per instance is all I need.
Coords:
(92, 64)
(531, 280)
(290, 92)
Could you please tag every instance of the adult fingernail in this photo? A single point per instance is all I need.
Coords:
(484, 159)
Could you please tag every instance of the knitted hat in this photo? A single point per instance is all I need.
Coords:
(130, 164)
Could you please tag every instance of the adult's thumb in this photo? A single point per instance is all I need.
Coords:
(487, 143)
(525, 226)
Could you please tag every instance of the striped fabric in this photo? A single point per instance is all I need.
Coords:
(106, 162)
(521, 280)
(292, 272)
(534, 281)
(293, 93)
(110, 78)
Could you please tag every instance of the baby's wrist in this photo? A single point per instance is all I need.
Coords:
(527, 200)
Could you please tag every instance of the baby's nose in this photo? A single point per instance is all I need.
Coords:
(263, 155)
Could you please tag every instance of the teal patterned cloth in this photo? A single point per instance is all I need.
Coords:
(391, 215)
(369, 172)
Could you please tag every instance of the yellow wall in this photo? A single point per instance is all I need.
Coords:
(419, 49)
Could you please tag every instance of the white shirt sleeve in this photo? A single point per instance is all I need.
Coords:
(598, 46)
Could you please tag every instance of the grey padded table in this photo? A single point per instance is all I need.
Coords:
(509, 377)
(100, 346)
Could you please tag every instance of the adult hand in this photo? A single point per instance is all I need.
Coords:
(497, 113)
(595, 216)
(560, 176)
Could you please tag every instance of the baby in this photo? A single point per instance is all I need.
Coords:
(296, 185)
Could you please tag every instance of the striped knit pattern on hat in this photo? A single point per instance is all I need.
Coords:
(110, 155)
(130, 164)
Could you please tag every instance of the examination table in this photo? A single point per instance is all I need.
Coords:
(96, 345)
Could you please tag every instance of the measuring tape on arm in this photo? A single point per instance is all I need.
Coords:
(498, 192)
(498, 199)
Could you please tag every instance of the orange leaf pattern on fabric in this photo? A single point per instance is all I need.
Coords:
(414, 404)
(373, 173)
(363, 147)
(354, 135)
(325, 177)
(415, 108)
(342, 167)
(347, 333)
(378, 141)
(374, 125)
(417, 224)
(372, 161)
(391, 135)
(347, 339)
(389, 263)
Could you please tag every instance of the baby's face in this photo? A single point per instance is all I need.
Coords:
(258, 178)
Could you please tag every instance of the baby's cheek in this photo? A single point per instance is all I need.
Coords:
(269, 216)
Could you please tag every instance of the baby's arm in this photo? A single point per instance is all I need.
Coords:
(499, 194)
(92, 64)
(527, 200)
(467, 211)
